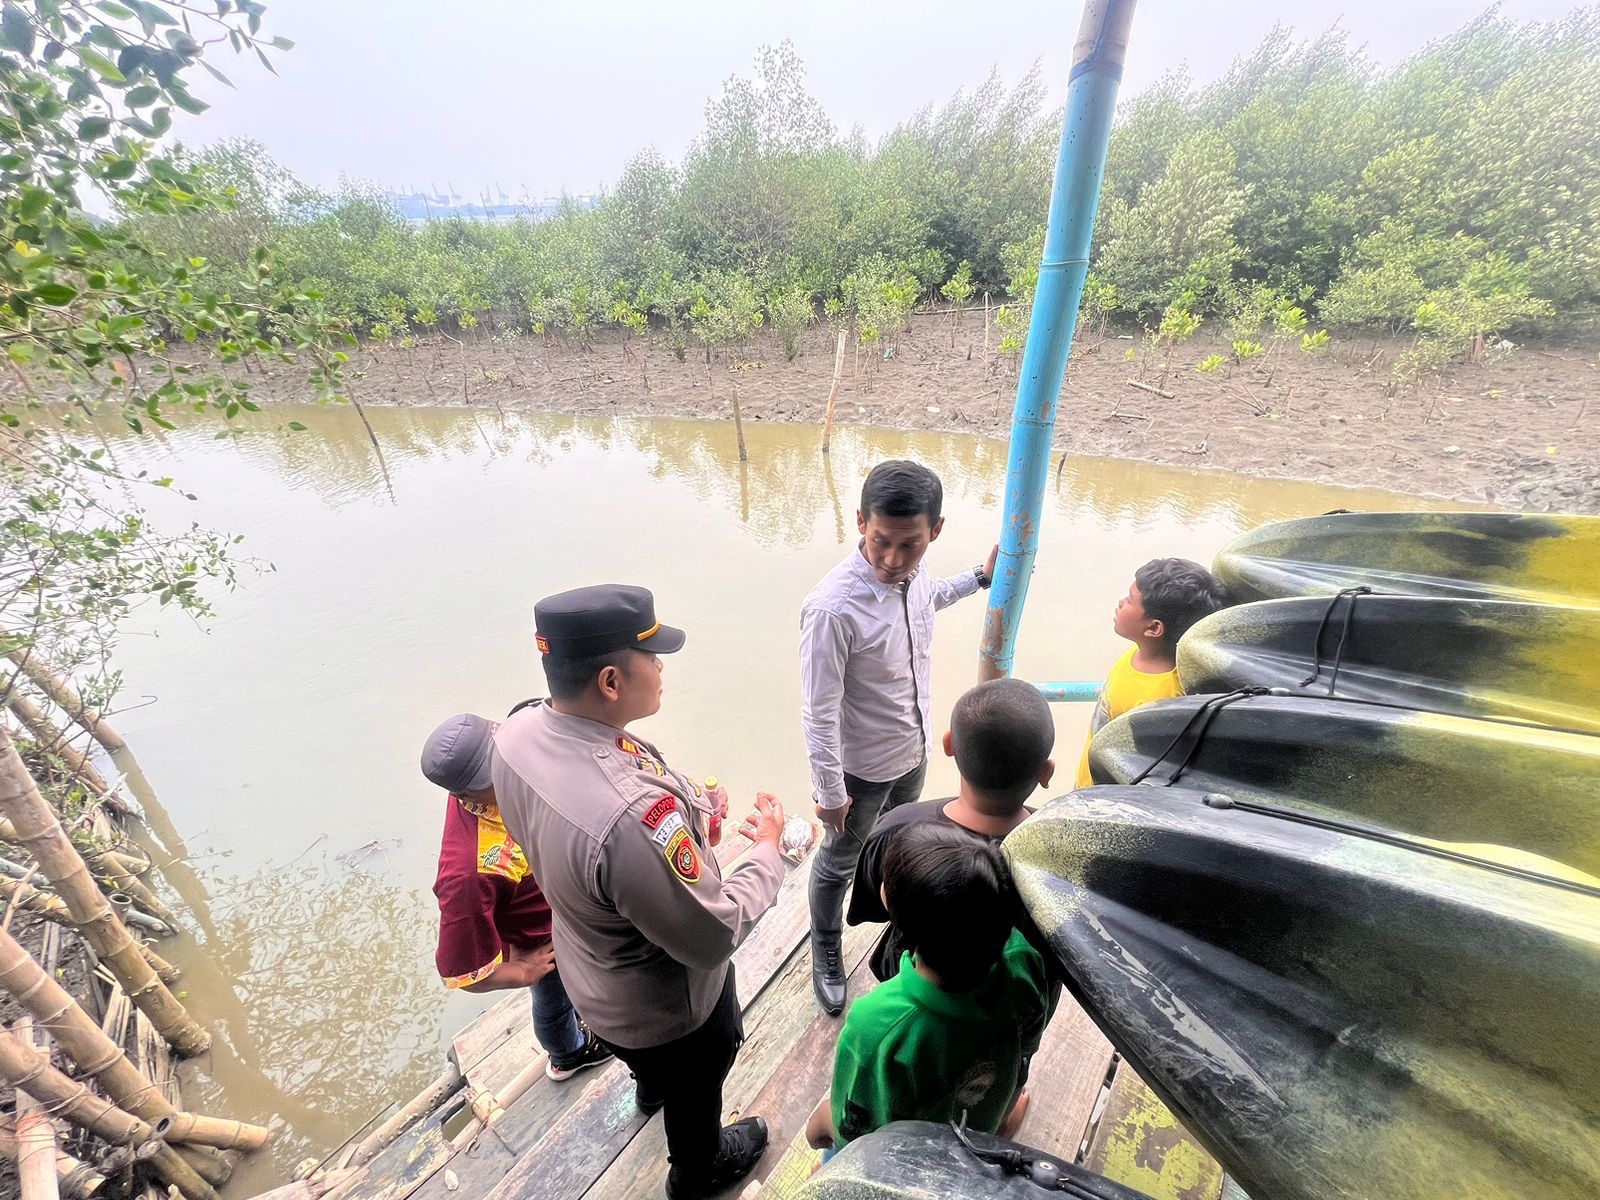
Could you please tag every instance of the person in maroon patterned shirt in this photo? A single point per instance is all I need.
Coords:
(494, 922)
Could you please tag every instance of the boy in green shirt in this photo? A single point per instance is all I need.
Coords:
(952, 1033)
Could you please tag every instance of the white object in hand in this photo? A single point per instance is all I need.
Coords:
(797, 838)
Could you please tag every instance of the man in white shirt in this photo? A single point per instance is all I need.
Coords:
(866, 632)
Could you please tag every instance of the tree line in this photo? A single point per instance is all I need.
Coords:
(1454, 197)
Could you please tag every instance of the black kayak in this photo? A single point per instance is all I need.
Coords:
(1547, 559)
(1335, 1013)
(1456, 779)
(1531, 662)
(916, 1160)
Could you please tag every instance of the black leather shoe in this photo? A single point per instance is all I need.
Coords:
(743, 1144)
(827, 972)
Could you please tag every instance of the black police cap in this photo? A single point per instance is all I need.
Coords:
(596, 620)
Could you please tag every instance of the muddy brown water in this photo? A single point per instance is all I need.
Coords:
(282, 737)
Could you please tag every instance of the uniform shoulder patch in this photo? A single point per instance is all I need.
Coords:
(628, 746)
(682, 858)
(657, 812)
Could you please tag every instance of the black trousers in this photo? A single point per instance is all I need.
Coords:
(687, 1073)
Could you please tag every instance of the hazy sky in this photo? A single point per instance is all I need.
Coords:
(539, 96)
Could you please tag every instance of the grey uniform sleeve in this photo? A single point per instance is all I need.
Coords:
(665, 887)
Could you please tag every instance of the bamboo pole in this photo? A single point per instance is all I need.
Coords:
(187, 1128)
(39, 830)
(65, 696)
(444, 1085)
(833, 393)
(55, 741)
(51, 908)
(97, 1056)
(27, 1070)
(313, 1188)
(74, 1177)
(986, 327)
(108, 867)
(131, 886)
(211, 1165)
(14, 872)
(36, 1135)
(738, 425)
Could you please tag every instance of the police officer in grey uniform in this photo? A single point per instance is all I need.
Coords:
(645, 922)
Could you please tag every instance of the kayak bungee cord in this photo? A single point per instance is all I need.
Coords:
(1204, 714)
(1222, 801)
(1344, 634)
(1042, 1172)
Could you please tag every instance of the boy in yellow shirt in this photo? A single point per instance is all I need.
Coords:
(1168, 596)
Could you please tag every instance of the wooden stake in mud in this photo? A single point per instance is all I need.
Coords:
(66, 696)
(833, 393)
(39, 830)
(738, 425)
(986, 327)
(26, 1069)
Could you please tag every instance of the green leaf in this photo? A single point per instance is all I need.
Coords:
(151, 15)
(188, 103)
(34, 203)
(115, 10)
(142, 95)
(216, 74)
(98, 63)
(93, 128)
(297, 426)
(55, 293)
(16, 31)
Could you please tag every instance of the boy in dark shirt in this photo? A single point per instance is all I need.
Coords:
(1001, 734)
(950, 1036)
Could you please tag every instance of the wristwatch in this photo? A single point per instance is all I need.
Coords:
(983, 580)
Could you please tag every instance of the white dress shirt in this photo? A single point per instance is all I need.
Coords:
(864, 672)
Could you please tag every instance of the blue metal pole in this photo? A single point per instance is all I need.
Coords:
(1075, 195)
(1077, 691)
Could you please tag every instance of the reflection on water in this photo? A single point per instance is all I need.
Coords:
(284, 743)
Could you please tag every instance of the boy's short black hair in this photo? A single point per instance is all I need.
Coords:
(901, 488)
(950, 894)
(1002, 733)
(1179, 594)
(569, 678)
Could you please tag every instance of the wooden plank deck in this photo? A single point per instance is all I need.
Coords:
(1140, 1143)
(585, 1139)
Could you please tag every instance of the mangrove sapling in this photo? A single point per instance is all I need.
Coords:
(1177, 326)
(1288, 322)
(958, 290)
(789, 312)
(1010, 320)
